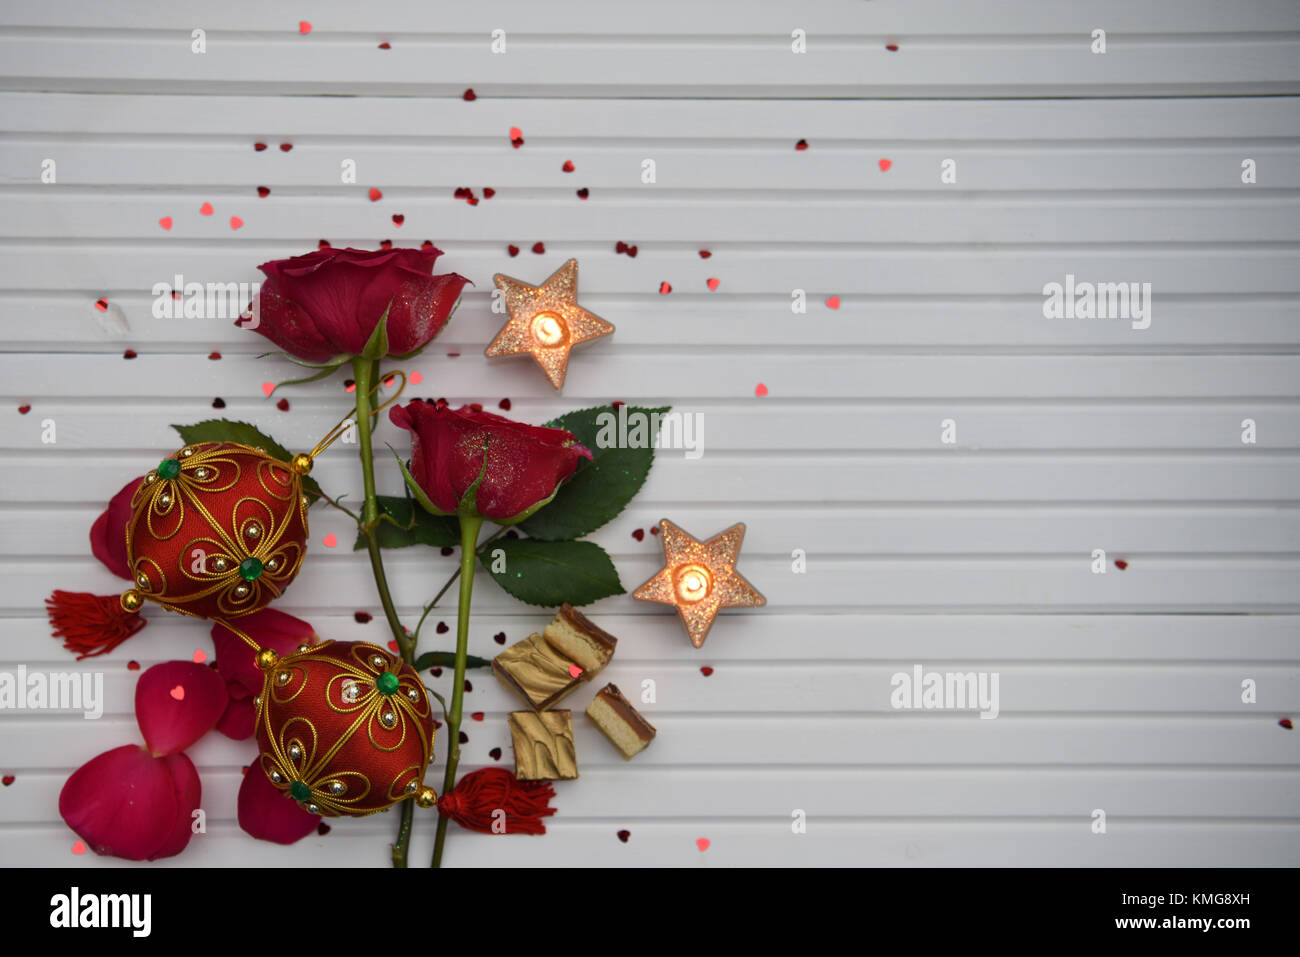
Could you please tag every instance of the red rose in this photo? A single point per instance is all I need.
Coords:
(518, 468)
(327, 304)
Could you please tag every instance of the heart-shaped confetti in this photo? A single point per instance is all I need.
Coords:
(568, 166)
(263, 191)
(268, 388)
(304, 27)
(415, 378)
(285, 147)
(165, 222)
(78, 847)
(330, 540)
(205, 209)
(1121, 564)
(706, 671)
(398, 219)
(200, 656)
(218, 403)
(833, 302)
(178, 692)
(488, 192)
(801, 145)
(539, 248)
(705, 254)
(235, 222)
(214, 356)
(702, 843)
(665, 289)
(469, 96)
(638, 534)
(24, 409)
(375, 194)
(385, 45)
(7, 780)
(133, 666)
(129, 353)
(624, 835)
(1286, 723)
(760, 390)
(712, 284)
(885, 164)
(386, 244)
(513, 251)
(495, 754)
(392, 646)
(631, 251)
(362, 617)
(259, 147)
(891, 47)
(584, 193)
(504, 404)
(101, 305)
(499, 637)
(575, 671)
(477, 716)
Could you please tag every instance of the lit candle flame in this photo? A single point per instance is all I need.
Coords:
(548, 329)
(693, 583)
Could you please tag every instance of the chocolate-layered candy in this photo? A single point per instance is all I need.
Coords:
(619, 721)
(543, 669)
(573, 635)
(543, 745)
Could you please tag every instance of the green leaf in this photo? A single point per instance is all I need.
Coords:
(226, 430)
(414, 526)
(601, 488)
(551, 573)
(447, 659)
(321, 373)
(414, 486)
(376, 346)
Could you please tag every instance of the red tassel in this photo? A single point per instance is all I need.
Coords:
(471, 803)
(91, 624)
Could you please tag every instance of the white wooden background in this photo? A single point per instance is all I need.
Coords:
(1119, 691)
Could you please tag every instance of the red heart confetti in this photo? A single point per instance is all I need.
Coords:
(488, 192)
(453, 353)
(638, 534)
(263, 191)
(504, 404)
(891, 47)
(415, 378)
(392, 646)
(436, 671)
(268, 388)
(477, 716)
(517, 143)
(469, 96)
(712, 284)
(624, 835)
(200, 656)
(1121, 564)
(304, 27)
(329, 541)
(7, 780)
(385, 45)
(442, 628)
(706, 671)
(349, 385)
(568, 166)
(322, 829)
(476, 407)
(473, 200)
(427, 244)
(285, 147)
(539, 248)
(705, 254)
(833, 302)
(24, 409)
(631, 251)
(78, 847)
(362, 617)
(495, 754)
(513, 251)
(462, 192)
(323, 244)
(386, 244)
(375, 195)
(165, 222)
(516, 133)
(398, 219)
(1286, 723)
(129, 354)
(620, 247)
(760, 390)
(801, 145)
(584, 193)
(665, 289)
(235, 222)
(575, 671)
(101, 305)
(702, 844)
(259, 146)
(464, 738)
(133, 666)
(283, 405)
(499, 637)
(218, 403)
(205, 209)
(214, 356)
(178, 692)
(885, 164)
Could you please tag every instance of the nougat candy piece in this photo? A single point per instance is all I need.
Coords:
(536, 671)
(543, 745)
(573, 635)
(617, 720)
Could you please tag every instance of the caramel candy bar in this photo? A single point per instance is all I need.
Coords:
(543, 745)
(619, 721)
(534, 669)
(574, 636)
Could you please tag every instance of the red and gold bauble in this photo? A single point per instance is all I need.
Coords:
(217, 530)
(344, 728)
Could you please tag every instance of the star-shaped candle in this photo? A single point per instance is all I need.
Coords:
(699, 578)
(546, 321)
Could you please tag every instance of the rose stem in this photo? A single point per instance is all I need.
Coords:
(364, 372)
(469, 529)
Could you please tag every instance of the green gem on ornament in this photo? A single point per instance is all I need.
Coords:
(169, 468)
(386, 683)
(299, 791)
(250, 569)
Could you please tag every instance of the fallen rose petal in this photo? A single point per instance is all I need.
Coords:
(237, 662)
(108, 534)
(122, 803)
(170, 723)
(189, 794)
(239, 720)
(270, 815)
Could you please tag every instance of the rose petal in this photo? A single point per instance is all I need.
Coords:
(189, 794)
(122, 803)
(108, 534)
(237, 662)
(287, 325)
(240, 719)
(168, 723)
(270, 815)
(421, 307)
